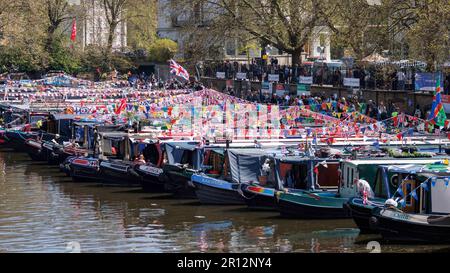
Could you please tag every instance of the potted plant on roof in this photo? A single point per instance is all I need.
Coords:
(265, 172)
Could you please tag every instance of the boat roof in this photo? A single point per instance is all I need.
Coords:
(302, 159)
(392, 161)
(69, 116)
(189, 146)
(423, 169)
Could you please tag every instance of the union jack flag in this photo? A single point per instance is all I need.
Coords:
(178, 70)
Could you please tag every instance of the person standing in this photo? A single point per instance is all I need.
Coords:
(401, 80)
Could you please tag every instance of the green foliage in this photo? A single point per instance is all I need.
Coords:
(64, 58)
(415, 154)
(162, 50)
(20, 59)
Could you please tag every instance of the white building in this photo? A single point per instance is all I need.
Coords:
(93, 28)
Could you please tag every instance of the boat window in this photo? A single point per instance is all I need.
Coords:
(187, 158)
(347, 174)
(408, 196)
(151, 154)
(351, 180)
(394, 181)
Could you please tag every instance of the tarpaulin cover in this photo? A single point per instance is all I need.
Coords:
(177, 151)
(245, 166)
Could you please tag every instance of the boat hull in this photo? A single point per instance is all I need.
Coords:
(308, 205)
(259, 198)
(361, 214)
(211, 191)
(177, 181)
(152, 179)
(401, 227)
(85, 169)
(119, 174)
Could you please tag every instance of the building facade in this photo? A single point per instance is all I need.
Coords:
(93, 28)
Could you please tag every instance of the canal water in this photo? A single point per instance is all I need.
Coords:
(42, 210)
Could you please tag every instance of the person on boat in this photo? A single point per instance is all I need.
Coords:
(140, 160)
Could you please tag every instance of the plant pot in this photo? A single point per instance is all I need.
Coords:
(262, 180)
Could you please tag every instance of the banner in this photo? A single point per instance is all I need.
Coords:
(303, 89)
(351, 82)
(274, 77)
(281, 91)
(220, 75)
(305, 80)
(265, 88)
(241, 76)
(426, 81)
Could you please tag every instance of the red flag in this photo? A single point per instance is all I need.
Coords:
(73, 36)
(122, 106)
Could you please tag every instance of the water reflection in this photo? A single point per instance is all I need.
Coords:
(42, 210)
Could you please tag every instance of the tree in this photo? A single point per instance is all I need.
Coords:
(428, 34)
(162, 50)
(141, 24)
(114, 14)
(285, 24)
(7, 7)
(358, 25)
(57, 12)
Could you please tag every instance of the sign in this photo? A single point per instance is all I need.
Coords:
(241, 76)
(446, 103)
(220, 75)
(427, 81)
(306, 80)
(280, 90)
(274, 77)
(303, 89)
(265, 88)
(229, 83)
(351, 82)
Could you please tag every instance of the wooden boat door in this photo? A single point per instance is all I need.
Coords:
(410, 203)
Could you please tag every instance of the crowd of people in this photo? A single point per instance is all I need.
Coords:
(384, 77)
(370, 108)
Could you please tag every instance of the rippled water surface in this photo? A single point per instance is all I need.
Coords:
(42, 210)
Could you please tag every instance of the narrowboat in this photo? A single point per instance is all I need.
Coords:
(421, 212)
(59, 129)
(130, 169)
(87, 168)
(322, 203)
(240, 165)
(183, 160)
(151, 173)
(287, 174)
(384, 183)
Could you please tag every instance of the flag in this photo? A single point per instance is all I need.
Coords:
(122, 106)
(400, 191)
(73, 36)
(414, 195)
(437, 113)
(178, 70)
(424, 185)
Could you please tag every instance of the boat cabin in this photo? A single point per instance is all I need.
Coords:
(424, 188)
(372, 171)
(245, 166)
(297, 172)
(187, 154)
